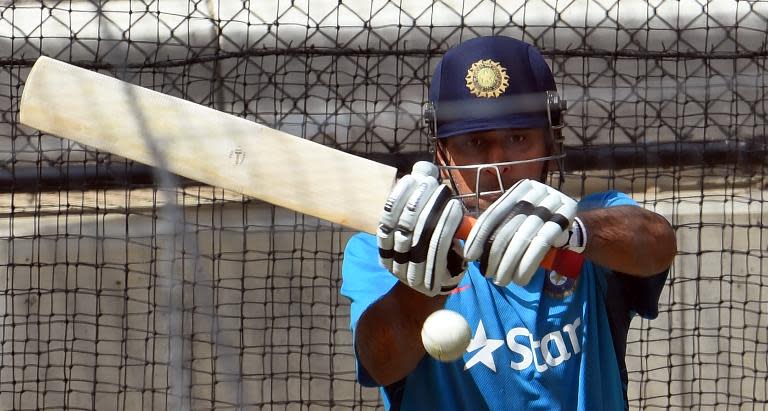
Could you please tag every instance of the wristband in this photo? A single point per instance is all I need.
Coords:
(577, 241)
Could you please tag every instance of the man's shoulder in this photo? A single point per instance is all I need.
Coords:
(610, 198)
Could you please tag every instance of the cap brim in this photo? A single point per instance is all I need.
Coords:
(474, 126)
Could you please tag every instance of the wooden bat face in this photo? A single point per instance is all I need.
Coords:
(204, 144)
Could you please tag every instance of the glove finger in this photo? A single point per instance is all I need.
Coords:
(425, 168)
(415, 276)
(401, 255)
(515, 249)
(536, 250)
(396, 201)
(530, 261)
(405, 226)
(492, 217)
(509, 267)
(456, 267)
(519, 268)
(424, 232)
(416, 202)
(557, 209)
(386, 243)
(438, 268)
(427, 221)
(393, 207)
(547, 237)
(562, 239)
(564, 217)
(497, 244)
(403, 190)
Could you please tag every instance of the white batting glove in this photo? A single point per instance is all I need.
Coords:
(416, 230)
(513, 235)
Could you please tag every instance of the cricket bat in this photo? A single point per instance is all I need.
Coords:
(212, 147)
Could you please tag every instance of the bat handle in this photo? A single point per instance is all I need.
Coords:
(565, 262)
(466, 226)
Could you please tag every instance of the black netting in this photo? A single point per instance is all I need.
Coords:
(666, 102)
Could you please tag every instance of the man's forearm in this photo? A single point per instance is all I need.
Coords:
(388, 337)
(629, 239)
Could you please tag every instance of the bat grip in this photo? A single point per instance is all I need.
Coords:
(566, 262)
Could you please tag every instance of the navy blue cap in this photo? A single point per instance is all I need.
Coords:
(490, 83)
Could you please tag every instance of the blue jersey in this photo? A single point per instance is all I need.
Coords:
(556, 343)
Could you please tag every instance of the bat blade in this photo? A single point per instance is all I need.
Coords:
(204, 144)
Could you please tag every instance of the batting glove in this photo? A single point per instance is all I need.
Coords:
(416, 230)
(511, 237)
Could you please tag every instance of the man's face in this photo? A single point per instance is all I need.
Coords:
(494, 146)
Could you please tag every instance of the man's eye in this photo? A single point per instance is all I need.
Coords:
(518, 138)
(475, 142)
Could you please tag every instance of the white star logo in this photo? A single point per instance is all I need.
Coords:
(485, 355)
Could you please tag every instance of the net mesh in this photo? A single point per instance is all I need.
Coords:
(109, 303)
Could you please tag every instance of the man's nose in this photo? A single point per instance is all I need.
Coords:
(497, 154)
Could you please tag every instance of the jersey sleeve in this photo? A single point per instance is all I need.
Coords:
(640, 295)
(364, 281)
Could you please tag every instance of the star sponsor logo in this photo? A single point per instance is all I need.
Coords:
(486, 348)
(550, 351)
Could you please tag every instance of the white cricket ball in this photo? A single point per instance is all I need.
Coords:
(446, 335)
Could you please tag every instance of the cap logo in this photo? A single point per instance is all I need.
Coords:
(486, 78)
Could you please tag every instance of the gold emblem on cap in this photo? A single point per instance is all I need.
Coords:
(486, 78)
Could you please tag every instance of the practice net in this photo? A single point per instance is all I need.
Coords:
(123, 292)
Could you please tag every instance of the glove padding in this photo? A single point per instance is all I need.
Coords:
(513, 235)
(416, 230)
